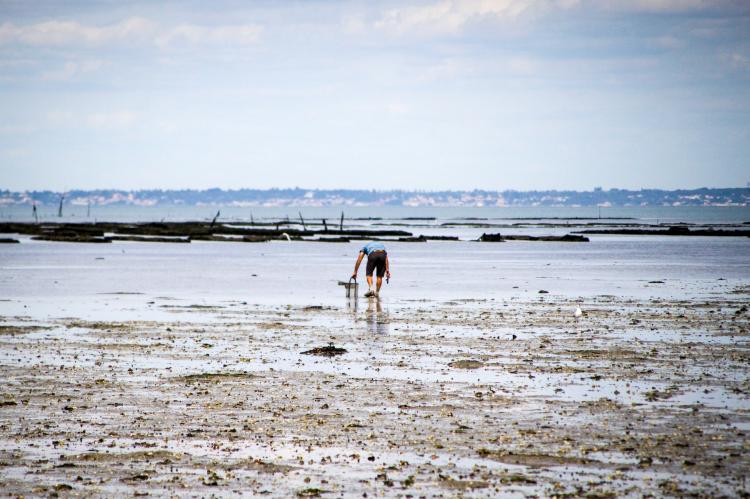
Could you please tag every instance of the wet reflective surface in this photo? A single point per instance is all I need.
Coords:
(177, 369)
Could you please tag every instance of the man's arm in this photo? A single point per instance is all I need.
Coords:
(387, 267)
(356, 265)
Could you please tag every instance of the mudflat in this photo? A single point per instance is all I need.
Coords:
(639, 396)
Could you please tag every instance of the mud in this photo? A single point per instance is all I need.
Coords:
(640, 397)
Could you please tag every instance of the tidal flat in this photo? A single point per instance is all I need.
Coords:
(511, 396)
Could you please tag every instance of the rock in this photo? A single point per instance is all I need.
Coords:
(466, 364)
(327, 351)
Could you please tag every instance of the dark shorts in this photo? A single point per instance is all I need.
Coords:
(376, 260)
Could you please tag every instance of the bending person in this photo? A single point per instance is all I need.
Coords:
(377, 258)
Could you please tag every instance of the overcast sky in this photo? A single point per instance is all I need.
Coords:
(441, 94)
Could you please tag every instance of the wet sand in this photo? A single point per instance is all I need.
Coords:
(512, 397)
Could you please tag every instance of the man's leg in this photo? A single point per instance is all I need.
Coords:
(380, 267)
(368, 273)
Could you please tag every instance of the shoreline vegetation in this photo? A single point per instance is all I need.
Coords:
(253, 232)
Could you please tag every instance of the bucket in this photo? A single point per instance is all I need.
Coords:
(351, 288)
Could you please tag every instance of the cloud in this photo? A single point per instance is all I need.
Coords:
(72, 69)
(669, 42)
(736, 60)
(122, 118)
(452, 16)
(397, 108)
(112, 119)
(664, 6)
(16, 152)
(522, 65)
(17, 129)
(56, 33)
(219, 35)
(132, 30)
(354, 24)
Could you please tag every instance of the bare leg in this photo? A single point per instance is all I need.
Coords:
(369, 281)
(380, 283)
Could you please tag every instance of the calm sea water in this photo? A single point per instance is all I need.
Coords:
(50, 279)
(661, 214)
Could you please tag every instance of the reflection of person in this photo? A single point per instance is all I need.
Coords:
(377, 317)
(377, 258)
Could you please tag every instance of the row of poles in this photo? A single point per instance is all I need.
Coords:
(216, 217)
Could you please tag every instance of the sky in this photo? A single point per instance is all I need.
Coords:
(436, 94)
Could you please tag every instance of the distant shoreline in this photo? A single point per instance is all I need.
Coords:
(310, 198)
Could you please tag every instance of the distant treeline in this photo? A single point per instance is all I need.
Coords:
(343, 197)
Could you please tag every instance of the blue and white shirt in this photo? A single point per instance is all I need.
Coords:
(372, 246)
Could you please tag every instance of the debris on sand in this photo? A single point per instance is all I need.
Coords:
(216, 377)
(327, 351)
(520, 405)
(127, 457)
(533, 460)
(311, 492)
(13, 330)
(104, 326)
(260, 466)
(466, 364)
(452, 483)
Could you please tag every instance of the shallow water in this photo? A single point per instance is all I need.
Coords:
(45, 279)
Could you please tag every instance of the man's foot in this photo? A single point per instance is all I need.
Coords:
(369, 293)
(376, 293)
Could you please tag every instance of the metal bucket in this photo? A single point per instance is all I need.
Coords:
(351, 287)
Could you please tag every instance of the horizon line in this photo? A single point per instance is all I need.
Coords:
(409, 190)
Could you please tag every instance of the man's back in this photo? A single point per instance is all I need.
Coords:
(372, 246)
